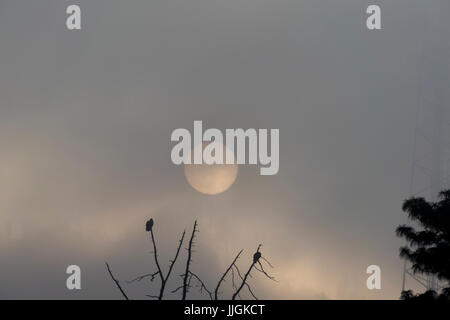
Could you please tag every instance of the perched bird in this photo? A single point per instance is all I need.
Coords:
(256, 256)
(149, 225)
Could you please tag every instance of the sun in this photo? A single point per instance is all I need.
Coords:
(211, 179)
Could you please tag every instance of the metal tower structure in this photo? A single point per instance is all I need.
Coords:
(431, 155)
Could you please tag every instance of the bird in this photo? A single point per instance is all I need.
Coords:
(149, 225)
(256, 256)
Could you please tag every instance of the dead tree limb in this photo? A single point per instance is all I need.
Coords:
(246, 284)
(163, 285)
(140, 278)
(256, 257)
(149, 227)
(164, 279)
(155, 253)
(225, 274)
(116, 282)
(186, 274)
(267, 261)
(264, 271)
(233, 282)
(202, 285)
(152, 276)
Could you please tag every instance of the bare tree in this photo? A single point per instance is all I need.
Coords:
(190, 279)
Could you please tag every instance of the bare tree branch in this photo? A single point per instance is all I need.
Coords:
(233, 282)
(176, 256)
(239, 272)
(155, 252)
(256, 257)
(246, 284)
(185, 278)
(164, 279)
(264, 272)
(202, 285)
(251, 292)
(189, 282)
(140, 278)
(149, 227)
(267, 261)
(225, 274)
(177, 289)
(116, 281)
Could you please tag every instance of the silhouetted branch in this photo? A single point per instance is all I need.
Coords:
(256, 257)
(155, 252)
(225, 274)
(116, 281)
(251, 292)
(164, 279)
(185, 278)
(264, 272)
(176, 256)
(267, 261)
(149, 227)
(177, 289)
(246, 284)
(189, 282)
(140, 278)
(202, 285)
(233, 282)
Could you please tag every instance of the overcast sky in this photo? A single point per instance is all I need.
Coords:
(86, 118)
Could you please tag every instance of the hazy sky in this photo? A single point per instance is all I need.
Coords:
(86, 118)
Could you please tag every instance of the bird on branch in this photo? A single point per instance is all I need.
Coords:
(256, 256)
(149, 225)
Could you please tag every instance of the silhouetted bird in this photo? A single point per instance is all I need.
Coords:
(149, 225)
(256, 256)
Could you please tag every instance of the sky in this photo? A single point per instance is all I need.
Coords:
(86, 118)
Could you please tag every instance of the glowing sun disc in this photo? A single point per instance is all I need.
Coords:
(211, 179)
